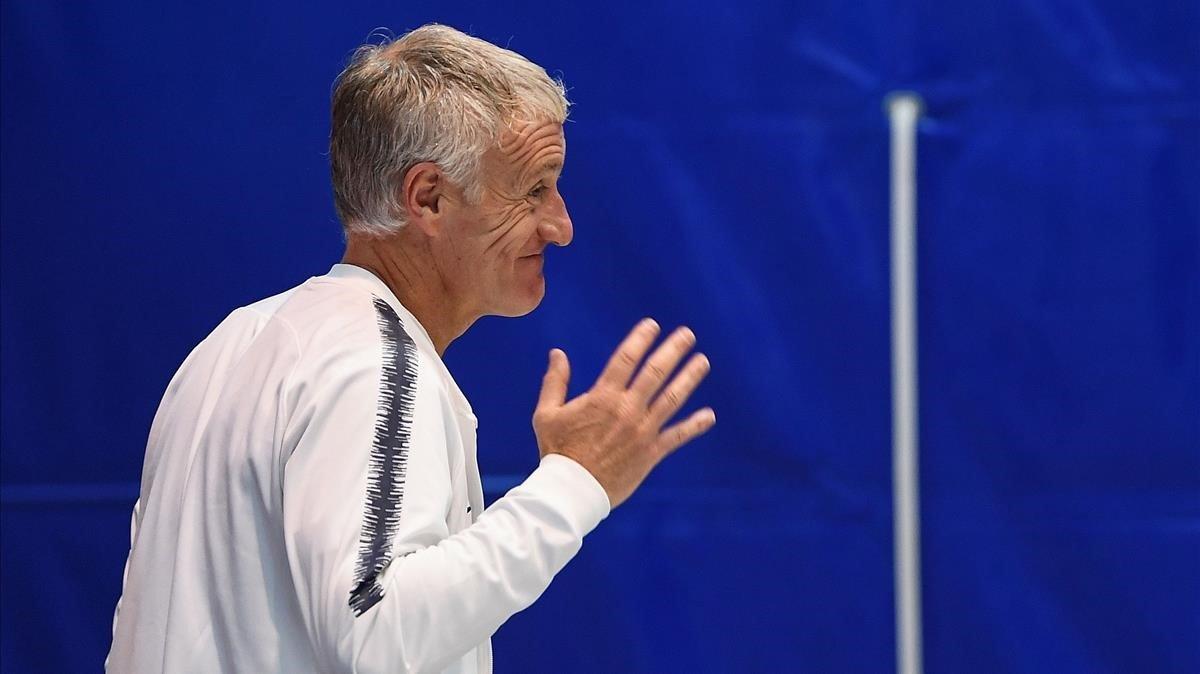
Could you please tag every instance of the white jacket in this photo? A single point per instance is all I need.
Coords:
(311, 501)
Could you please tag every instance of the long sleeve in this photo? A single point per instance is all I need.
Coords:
(382, 583)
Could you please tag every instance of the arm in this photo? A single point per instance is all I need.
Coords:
(436, 596)
(383, 586)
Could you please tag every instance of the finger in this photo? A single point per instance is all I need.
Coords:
(685, 431)
(661, 364)
(554, 384)
(680, 389)
(627, 356)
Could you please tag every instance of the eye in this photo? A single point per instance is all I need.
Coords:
(538, 191)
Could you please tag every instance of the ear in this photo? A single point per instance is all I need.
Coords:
(422, 195)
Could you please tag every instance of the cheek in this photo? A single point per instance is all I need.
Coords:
(512, 236)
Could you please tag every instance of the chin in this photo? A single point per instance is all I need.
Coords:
(527, 307)
(525, 303)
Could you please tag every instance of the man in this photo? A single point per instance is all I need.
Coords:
(310, 499)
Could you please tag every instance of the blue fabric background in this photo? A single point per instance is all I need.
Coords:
(727, 169)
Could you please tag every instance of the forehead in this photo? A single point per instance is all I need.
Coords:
(528, 149)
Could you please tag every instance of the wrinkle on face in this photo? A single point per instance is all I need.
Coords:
(535, 150)
(519, 197)
(523, 156)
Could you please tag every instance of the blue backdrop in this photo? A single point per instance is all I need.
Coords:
(727, 168)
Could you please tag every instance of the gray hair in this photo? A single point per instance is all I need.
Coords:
(437, 95)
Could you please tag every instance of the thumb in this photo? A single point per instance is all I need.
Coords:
(554, 384)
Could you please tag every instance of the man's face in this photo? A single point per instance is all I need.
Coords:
(492, 251)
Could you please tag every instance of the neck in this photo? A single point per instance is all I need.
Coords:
(410, 270)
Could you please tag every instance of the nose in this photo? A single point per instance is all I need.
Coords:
(557, 228)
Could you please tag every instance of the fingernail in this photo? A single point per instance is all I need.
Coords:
(711, 417)
(649, 323)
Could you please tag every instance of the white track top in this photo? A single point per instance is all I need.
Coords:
(311, 502)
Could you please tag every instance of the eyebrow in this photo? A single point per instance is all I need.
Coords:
(553, 165)
(548, 166)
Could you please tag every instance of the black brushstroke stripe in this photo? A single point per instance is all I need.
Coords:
(389, 458)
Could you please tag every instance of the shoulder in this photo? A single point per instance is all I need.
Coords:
(352, 339)
(247, 329)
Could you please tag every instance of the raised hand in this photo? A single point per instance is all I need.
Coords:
(615, 430)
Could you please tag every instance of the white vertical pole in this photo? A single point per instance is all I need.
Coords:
(904, 109)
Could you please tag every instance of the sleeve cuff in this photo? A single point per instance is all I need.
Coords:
(579, 496)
